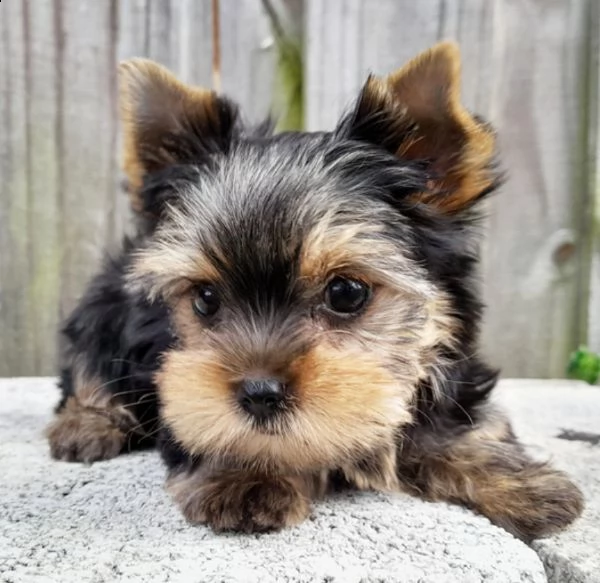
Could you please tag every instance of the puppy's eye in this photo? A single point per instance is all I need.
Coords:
(346, 296)
(206, 300)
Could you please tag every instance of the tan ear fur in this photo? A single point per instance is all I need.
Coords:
(432, 125)
(159, 116)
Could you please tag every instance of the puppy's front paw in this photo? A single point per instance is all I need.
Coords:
(541, 502)
(80, 434)
(236, 501)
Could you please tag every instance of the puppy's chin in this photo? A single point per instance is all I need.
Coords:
(344, 406)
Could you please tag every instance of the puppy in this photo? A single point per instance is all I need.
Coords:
(299, 312)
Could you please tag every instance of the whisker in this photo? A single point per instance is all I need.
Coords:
(452, 399)
(134, 391)
(145, 434)
(96, 390)
(132, 362)
(472, 423)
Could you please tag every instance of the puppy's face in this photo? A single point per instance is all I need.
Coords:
(305, 307)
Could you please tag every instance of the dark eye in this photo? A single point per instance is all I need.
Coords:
(206, 300)
(346, 296)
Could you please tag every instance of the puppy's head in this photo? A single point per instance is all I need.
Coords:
(314, 280)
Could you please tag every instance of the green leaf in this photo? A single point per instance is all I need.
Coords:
(584, 365)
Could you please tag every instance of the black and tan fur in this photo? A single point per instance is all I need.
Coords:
(392, 397)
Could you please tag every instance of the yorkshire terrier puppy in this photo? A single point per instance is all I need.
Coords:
(299, 312)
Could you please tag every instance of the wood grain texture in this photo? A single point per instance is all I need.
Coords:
(17, 322)
(535, 245)
(592, 179)
(43, 176)
(88, 130)
(522, 61)
(247, 57)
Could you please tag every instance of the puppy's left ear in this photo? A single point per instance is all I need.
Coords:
(167, 123)
(416, 114)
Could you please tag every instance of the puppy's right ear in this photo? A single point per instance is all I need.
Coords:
(167, 123)
(417, 114)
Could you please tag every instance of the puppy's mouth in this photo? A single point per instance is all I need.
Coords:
(273, 424)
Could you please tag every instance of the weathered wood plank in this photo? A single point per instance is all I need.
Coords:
(17, 319)
(534, 248)
(43, 175)
(192, 21)
(593, 177)
(88, 133)
(247, 58)
(133, 29)
(175, 33)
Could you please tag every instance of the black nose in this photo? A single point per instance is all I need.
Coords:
(261, 397)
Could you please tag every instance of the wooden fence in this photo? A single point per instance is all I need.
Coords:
(530, 66)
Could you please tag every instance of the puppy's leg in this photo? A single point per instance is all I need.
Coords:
(90, 424)
(486, 469)
(240, 500)
(376, 471)
(110, 350)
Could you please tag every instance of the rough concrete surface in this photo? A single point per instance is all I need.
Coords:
(541, 412)
(112, 521)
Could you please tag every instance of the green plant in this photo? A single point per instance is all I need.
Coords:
(289, 92)
(584, 365)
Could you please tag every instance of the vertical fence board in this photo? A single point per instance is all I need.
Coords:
(88, 138)
(43, 175)
(6, 294)
(247, 58)
(17, 323)
(534, 245)
(195, 42)
(133, 29)
(593, 73)
(161, 35)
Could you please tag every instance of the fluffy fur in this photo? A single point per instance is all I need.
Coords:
(393, 396)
